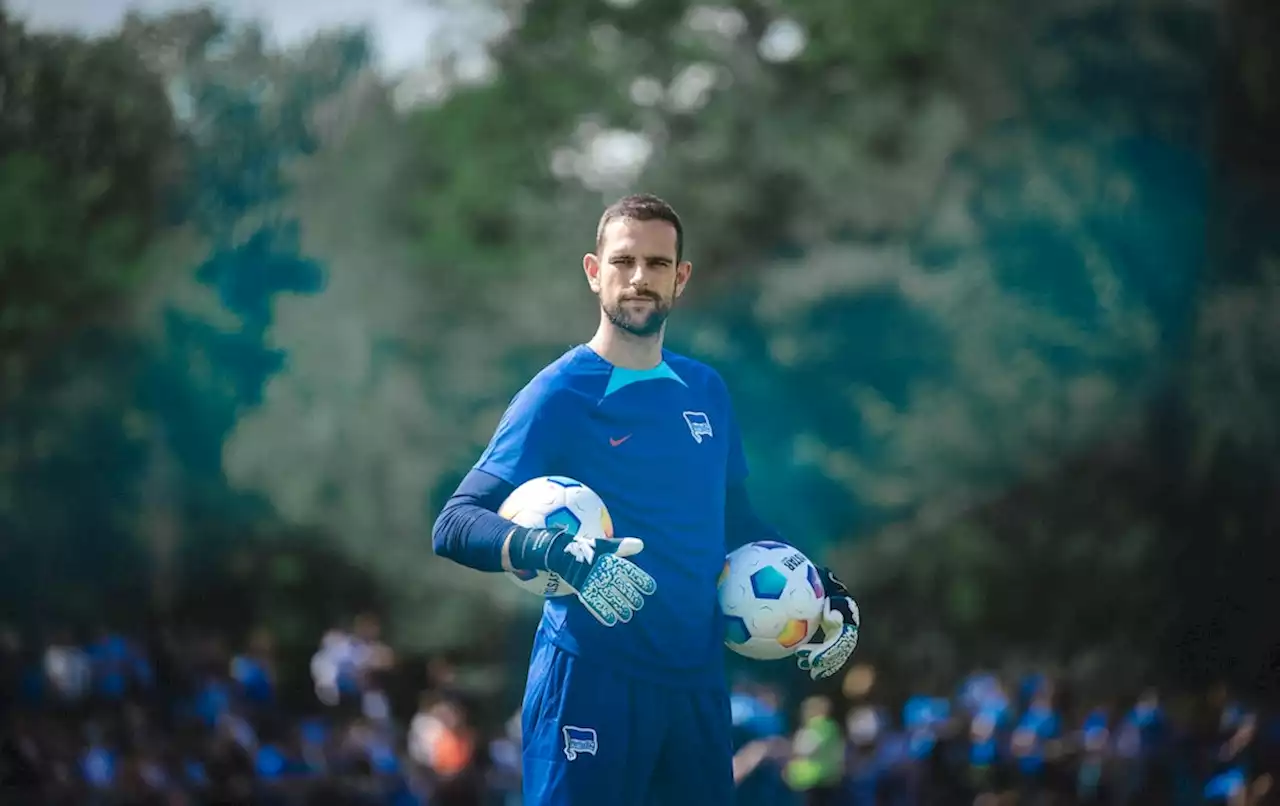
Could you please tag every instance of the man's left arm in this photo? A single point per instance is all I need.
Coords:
(835, 642)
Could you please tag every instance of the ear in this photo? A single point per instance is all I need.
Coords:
(683, 272)
(591, 267)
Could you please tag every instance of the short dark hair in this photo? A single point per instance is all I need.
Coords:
(642, 207)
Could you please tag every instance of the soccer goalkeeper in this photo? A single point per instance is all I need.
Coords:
(626, 702)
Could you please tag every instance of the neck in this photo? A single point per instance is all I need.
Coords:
(626, 350)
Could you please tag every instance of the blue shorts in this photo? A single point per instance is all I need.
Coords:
(593, 738)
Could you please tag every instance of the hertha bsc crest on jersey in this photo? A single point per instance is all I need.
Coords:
(579, 741)
(699, 425)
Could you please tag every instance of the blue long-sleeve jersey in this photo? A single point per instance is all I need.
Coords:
(661, 447)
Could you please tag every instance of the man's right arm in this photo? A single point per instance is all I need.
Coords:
(524, 445)
(469, 531)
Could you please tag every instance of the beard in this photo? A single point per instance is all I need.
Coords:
(638, 323)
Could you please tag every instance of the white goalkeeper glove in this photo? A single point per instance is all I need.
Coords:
(831, 649)
(611, 587)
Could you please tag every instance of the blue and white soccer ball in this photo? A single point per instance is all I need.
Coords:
(555, 501)
(772, 599)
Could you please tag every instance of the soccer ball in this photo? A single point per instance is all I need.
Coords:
(555, 501)
(772, 600)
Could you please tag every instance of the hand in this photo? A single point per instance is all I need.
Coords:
(822, 657)
(611, 587)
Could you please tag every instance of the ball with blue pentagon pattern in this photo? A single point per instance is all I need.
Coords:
(772, 599)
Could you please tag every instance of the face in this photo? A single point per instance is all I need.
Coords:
(636, 275)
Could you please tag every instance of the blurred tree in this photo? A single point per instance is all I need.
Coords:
(248, 114)
(128, 421)
(1195, 483)
(87, 157)
(957, 246)
(1224, 500)
(87, 150)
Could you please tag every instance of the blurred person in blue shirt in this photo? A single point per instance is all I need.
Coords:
(1035, 743)
(760, 747)
(1095, 742)
(1141, 752)
(212, 700)
(504, 764)
(118, 665)
(922, 718)
(983, 692)
(926, 722)
(1236, 762)
(985, 773)
(335, 668)
(866, 762)
(349, 668)
(99, 763)
(254, 671)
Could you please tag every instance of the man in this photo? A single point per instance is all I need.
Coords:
(626, 701)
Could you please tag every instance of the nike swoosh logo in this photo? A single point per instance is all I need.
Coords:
(616, 442)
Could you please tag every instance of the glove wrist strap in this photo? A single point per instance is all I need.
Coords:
(530, 548)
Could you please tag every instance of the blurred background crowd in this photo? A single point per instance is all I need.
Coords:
(188, 718)
(994, 286)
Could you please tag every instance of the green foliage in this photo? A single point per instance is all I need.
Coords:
(86, 147)
(128, 422)
(945, 255)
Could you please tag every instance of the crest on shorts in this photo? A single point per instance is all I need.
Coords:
(579, 741)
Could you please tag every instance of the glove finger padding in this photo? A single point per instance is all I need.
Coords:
(609, 586)
(594, 600)
(629, 581)
(629, 593)
(615, 589)
(638, 577)
(618, 599)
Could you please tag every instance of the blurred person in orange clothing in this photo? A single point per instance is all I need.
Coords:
(443, 743)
